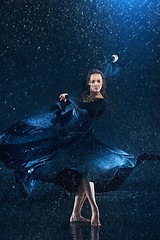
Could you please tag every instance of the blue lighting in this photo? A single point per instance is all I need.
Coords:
(130, 4)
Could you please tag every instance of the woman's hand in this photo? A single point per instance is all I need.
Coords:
(115, 58)
(62, 97)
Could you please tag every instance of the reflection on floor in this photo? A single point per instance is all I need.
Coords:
(124, 215)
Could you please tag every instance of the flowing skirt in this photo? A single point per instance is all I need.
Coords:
(42, 149)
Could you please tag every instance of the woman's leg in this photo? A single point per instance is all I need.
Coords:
(78, 203)
(86, 190)
(90, 194)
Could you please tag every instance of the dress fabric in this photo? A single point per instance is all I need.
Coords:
(60, 147)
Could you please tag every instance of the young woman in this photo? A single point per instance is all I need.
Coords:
(60, 147)
(96, 85)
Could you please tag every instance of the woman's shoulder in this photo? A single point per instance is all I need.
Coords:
(83, 96)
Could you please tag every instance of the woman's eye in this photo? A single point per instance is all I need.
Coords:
(92, 81)
(99, 81)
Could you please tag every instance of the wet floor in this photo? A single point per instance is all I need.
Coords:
(123, 214)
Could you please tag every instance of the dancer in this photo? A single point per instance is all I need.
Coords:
(60, 147)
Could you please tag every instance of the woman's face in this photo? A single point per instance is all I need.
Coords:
(95, 82)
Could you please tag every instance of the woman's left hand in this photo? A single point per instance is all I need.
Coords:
(115, 58)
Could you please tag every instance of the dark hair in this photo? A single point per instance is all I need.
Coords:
(85, 86)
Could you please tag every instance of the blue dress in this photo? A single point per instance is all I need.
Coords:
(60, 147)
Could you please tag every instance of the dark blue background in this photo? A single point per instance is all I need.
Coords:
(48, 46)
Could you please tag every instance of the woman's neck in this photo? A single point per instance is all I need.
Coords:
(96, 95)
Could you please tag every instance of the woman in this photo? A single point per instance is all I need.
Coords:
(96, 85)
(60, 147)
(95, 81)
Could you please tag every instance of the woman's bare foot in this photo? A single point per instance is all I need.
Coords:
(79, 219)
(95, 222)
(95, 219)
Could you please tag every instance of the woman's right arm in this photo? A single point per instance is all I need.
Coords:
(62, 97)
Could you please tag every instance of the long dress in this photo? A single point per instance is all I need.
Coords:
(59, 146)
